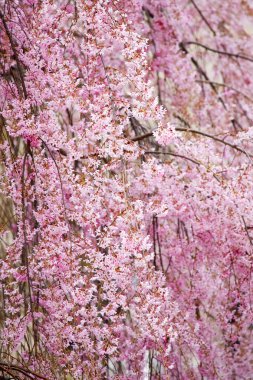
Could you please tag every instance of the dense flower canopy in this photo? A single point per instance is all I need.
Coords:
(125, 190)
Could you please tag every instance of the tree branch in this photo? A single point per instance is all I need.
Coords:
(175, 155)
(182, 46)
(195, 131)
(203, 17)
(15, 54)
(226, 86)
(235, 55)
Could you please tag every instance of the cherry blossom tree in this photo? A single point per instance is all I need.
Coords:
(125, 190)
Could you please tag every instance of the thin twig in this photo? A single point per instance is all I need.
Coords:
(203, 17)
(141, 137)
(15, 54)
(27, 372)
(194, 131)
(247, 230)
(227, 86)
(222, 52)
(182, 46)
(233, 146)
(175, 155)
(26, 248)
(61, 185)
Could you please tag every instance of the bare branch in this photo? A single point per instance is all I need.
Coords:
(222, 52)
(203, 17)
(141, 137)
(226, 86)
(182, 46)
(175, 155)
(195, 131)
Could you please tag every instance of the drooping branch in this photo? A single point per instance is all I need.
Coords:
(222, 52)
(8, 368)
(15, 53)
(61, 186)
(195, 131)
(141, 137)
(222, 141)
(226, 86)
(175, 155)
(183, 157)
(26, 250)
(203, 17)
(182, 46)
